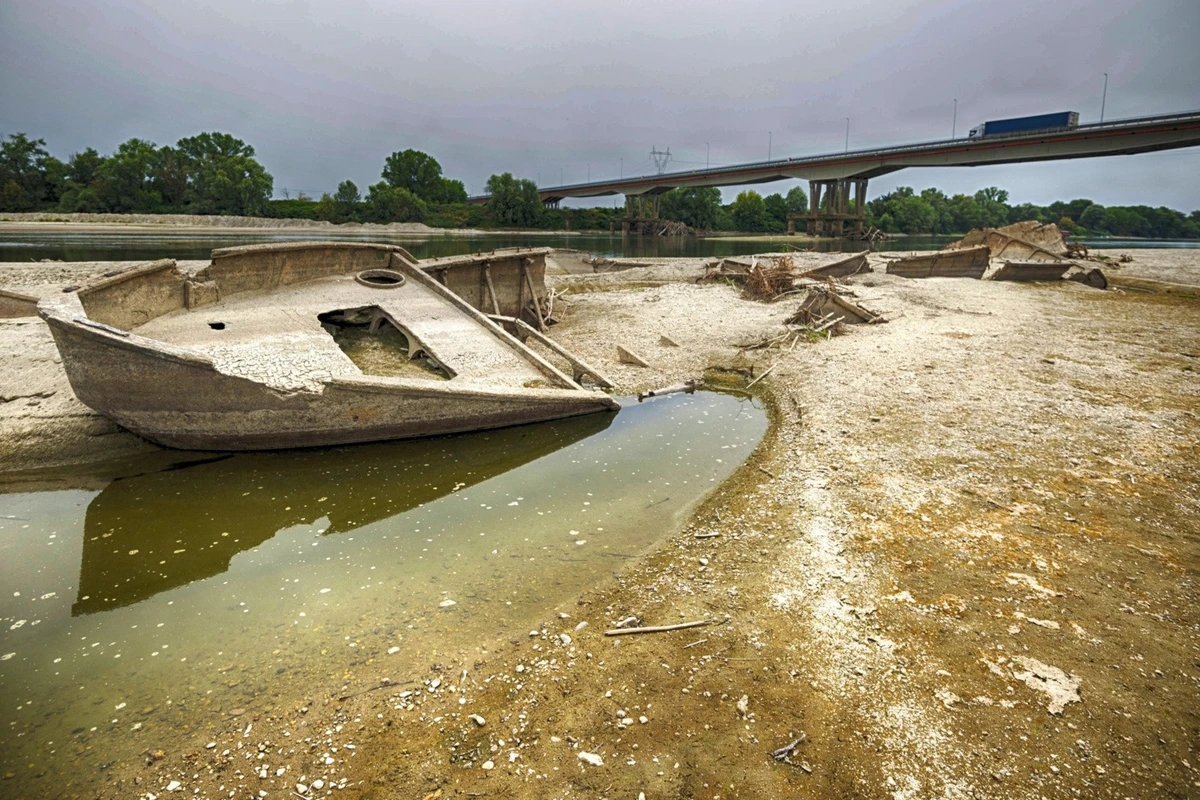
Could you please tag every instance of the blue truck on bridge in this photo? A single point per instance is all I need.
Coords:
(1062, 120)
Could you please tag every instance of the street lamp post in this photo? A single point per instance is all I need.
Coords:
(954, 125)
(1104, 97)
(706, 156)
(768, 145)
(847, 134)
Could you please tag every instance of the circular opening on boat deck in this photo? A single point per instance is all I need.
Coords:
(380, 278)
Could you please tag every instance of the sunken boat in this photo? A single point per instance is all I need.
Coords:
(314, 344)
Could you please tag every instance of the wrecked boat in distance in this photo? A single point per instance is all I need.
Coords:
(319, 343)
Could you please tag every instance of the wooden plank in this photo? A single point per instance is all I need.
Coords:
(578, 364)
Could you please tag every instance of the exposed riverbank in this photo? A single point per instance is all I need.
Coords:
(959, 519)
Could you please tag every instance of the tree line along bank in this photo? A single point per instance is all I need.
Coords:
(216, 173)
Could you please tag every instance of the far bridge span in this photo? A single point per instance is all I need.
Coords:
(834, 176)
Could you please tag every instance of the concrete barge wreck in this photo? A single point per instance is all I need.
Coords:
(319, 343)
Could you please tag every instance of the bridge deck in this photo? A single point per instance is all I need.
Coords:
(1118, 137)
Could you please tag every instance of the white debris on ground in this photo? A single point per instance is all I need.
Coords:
(1059, 687)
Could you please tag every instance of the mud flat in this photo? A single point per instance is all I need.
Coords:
(961, 564)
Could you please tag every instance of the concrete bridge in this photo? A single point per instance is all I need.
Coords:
(833, 177)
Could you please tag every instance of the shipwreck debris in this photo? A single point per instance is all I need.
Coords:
(1089, 277)
(626, 356)
(1024, 241)
(688, 386)
(840, 269)
(15, 304)
(970, 262)
(1026, 271)
(823, 303)
(238, 355)
(1050, 271)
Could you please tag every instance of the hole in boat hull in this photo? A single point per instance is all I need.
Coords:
(378, 346)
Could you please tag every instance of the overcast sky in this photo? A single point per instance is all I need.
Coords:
(325, 90)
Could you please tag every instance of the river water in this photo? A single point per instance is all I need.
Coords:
(198, 243)
(143, 603)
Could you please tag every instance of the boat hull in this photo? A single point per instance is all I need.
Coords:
(178, 399)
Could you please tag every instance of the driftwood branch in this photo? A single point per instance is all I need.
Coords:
(658, 628)
(766, 372)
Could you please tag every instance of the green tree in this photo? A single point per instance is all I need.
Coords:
(1122, 221)
(453, 191)
(22, 173)
(696, 207)
(993, 204)
(913, 214)
(170, 176)
(965, 213)
(347, 200)
(777, 211)
(942, 218)
(124, 184)
(514, 202)
(421, 174)
(83, 168)
(327, 210)
(1094, 218)
(1026, 211)
(225, 177)
(797, 200)
(387, 203)
(749, 212)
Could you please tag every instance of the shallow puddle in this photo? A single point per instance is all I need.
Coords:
(136, 616)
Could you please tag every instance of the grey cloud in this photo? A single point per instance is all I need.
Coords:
(324, 91)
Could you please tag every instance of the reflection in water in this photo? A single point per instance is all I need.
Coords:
(197, 244)
(112, 642)
(149, 533)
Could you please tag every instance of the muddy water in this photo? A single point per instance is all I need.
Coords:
(139, 615)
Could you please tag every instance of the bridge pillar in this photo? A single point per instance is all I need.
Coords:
(829, 204)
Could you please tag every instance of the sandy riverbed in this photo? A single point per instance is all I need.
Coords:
(961, 520)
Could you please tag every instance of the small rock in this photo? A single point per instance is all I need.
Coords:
(174, 786)
(318, 784)
(236, 712)
(447, 603)
(301, 788)
(743, 705)
(643, 719)
(520, 668)
(488, 765)
(478, 720)
(393, 650)
(592, 758)
(210, 745)
(566, 640)
(581, 626)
